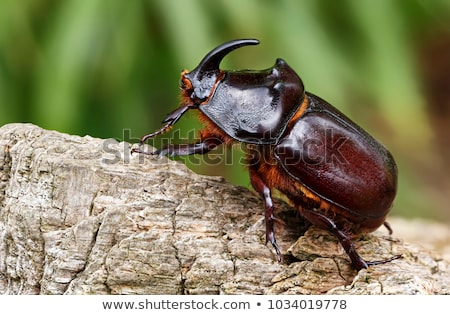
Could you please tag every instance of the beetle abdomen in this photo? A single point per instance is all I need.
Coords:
(338, 161)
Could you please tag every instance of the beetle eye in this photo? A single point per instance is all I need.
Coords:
(185, 84)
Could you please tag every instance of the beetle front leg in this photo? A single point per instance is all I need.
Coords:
(183, 149)
(260, 187)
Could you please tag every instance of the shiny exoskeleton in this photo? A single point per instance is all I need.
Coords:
(338, 176)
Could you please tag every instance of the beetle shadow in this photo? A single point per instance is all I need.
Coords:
(289, 226)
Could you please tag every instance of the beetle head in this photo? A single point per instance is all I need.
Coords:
(198, 84)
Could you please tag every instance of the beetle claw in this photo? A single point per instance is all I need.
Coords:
(379, 262)
(270, 237)
(138, 150)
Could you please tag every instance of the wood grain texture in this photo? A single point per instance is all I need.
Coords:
(80, 215)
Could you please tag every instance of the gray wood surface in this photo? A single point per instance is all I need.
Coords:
(79, 215)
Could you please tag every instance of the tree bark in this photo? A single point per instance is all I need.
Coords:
(80, 215)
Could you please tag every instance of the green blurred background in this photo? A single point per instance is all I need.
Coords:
(110, 68)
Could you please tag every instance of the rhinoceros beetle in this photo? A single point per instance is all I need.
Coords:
(337, 175)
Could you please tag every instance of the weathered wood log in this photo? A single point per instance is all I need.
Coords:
(80, 215)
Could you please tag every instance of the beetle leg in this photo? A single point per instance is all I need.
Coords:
(259, 185)
(388, 227)
(201, 147)
(322, 221)
(169, 121)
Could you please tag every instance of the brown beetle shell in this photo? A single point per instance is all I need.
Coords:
(339, 162)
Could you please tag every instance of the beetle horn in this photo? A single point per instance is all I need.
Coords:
(212, 60)
(204, 76)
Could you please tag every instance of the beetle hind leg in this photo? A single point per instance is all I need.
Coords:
(388, 227)
(322, 221)
(383, 261)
